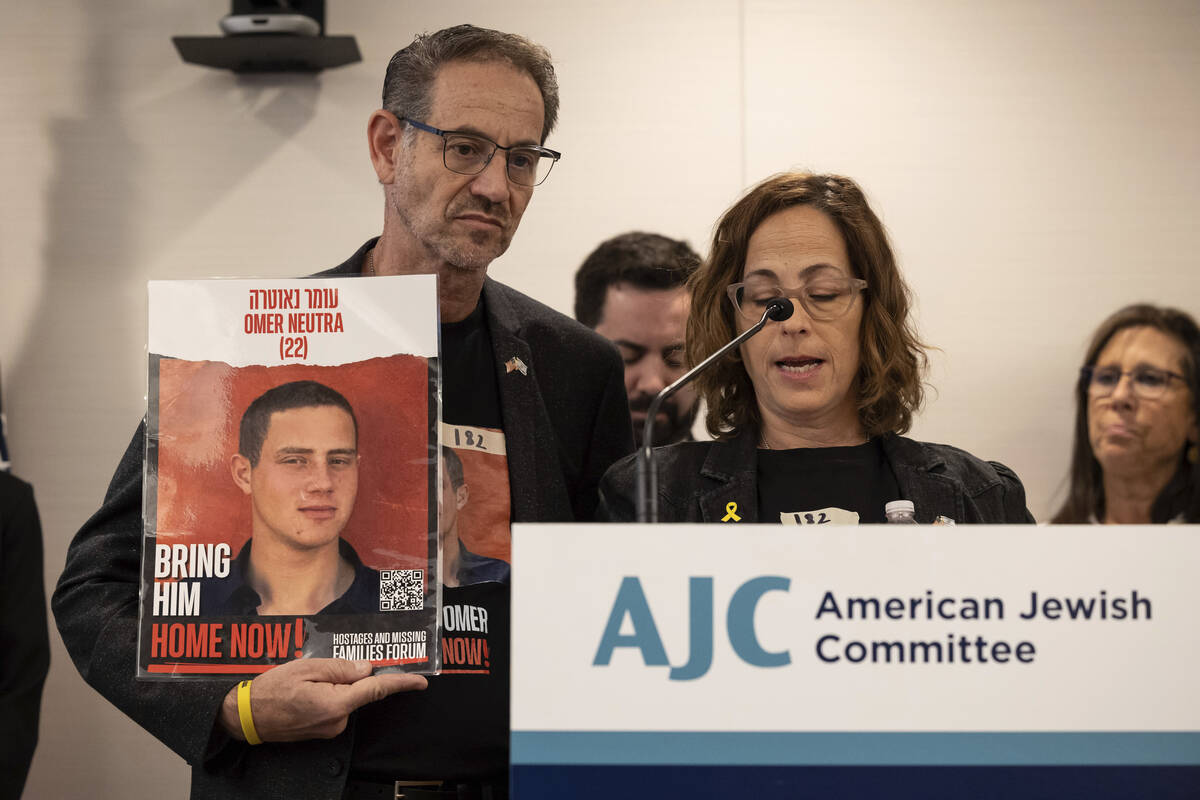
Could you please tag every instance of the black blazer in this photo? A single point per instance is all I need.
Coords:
(24, 640)
(565, 422)
(697, 480)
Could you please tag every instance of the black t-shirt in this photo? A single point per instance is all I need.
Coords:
(817, 485)
(233, 595)
(470, 394)
(457, 729)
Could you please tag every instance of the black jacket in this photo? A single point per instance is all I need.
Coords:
(565, 422)
(24, 641)
(697, 481)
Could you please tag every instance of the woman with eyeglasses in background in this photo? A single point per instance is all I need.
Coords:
(808, 414)
(1137, 409)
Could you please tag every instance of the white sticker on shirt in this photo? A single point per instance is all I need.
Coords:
(822, 516)
(463, 437)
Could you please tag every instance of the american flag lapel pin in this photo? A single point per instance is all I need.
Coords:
(515, 364)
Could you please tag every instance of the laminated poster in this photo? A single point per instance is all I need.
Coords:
(291, 476)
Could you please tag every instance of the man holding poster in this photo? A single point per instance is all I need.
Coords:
(534, 398)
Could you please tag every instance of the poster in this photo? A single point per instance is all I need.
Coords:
(291, 476)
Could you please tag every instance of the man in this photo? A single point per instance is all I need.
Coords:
(458, 148)
(297, 461)
(459, 565)
(632, 291)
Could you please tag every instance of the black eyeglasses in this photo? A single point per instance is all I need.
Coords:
(1149, 383)
(469, 154)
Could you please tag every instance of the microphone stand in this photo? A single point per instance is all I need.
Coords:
(646, 498)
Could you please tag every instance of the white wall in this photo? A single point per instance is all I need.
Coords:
(1037, 164)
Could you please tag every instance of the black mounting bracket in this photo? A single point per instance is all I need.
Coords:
(271, 52)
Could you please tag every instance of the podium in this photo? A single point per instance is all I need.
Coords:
(874, 661)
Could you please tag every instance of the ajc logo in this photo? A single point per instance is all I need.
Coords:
(739, 623)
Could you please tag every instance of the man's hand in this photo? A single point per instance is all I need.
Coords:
(312, 698)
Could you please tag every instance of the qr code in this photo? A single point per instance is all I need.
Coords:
(401, 589)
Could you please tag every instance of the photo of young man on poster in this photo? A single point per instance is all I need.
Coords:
(297, 463)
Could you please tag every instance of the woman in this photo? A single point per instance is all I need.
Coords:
(807, 416)
(1136, 410)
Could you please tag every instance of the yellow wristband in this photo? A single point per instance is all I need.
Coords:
(244, 713)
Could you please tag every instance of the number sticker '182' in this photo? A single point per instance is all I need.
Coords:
(820, 516)
(469, 438)
(463, 437)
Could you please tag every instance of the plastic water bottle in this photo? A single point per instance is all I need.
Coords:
(901, 512)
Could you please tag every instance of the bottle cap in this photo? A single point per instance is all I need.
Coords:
(900, 505)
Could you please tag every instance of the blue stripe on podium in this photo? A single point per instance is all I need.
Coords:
(635, 782)
(854, 749)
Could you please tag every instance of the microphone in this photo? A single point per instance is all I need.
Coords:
(646, 499)
(780, 308)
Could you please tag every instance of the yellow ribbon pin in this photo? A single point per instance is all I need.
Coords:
(731, 513)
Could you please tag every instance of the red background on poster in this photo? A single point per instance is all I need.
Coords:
(201, 406)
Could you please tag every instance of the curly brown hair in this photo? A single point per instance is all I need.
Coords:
(892, 358)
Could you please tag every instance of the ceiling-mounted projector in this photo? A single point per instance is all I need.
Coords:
(289, 24)
(271, 36)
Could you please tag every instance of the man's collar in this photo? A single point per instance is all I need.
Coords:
(499, 310)
(351, 266)
(472, 320)
(236, 593)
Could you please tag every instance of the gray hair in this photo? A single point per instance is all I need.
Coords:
(410, 73)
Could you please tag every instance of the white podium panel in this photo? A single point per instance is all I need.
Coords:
(692, 647)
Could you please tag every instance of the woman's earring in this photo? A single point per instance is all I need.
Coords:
(1193, 454)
